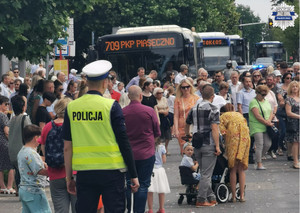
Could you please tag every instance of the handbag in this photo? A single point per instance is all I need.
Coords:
(198, 137)
(271, 130)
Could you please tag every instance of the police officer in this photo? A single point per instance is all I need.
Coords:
(97, 146)
(227, 72)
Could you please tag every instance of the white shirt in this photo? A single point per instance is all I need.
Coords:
(218, 101)
(234, 91)
(22, 79)
(4, 90)
(179, 78)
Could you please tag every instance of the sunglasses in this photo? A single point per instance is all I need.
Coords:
(11, 83)
(61, 90)
(288, 78)
(185, 87)
(262, 83)
(16, 72)
(263, 94)
(6, 104)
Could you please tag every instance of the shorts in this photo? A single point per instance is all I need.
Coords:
(36, 203)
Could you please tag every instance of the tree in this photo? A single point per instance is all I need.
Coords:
(205, 16)
(253, 33)
(27, 26)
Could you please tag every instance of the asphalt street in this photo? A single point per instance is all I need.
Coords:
(274, 190)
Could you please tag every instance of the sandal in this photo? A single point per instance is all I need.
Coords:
(3, 191)
(242, 200)
(296, 166)
(232, 200)
(11, 191)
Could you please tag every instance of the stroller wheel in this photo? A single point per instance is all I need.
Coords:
(238, 193)
(222, 192)
(180, 199)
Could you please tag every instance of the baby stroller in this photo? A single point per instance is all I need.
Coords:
(187, 179)
(221, 180)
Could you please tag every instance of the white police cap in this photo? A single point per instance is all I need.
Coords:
(97, 70)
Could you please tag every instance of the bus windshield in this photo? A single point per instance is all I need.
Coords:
(127, 64)
(215, 57)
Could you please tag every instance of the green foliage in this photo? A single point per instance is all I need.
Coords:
(251, 33)
(205, 16)
(26, 26)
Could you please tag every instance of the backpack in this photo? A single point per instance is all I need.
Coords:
(54, 147)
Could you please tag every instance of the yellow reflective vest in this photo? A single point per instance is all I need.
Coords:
(93, 140)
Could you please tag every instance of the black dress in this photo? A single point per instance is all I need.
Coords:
(149, 101)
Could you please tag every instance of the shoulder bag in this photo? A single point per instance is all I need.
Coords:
(271, 130)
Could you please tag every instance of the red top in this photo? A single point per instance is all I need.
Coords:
(54, 173)
(115, 95)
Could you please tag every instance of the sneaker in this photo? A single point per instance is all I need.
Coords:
(280, 152)
(204, 204)
(261, 168)
(272, 154)
(264, 158)
(290, 158)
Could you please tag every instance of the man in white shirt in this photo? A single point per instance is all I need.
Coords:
(182, 75)
(5, 80)
(62, 78)
(17, 74)
(234, 85)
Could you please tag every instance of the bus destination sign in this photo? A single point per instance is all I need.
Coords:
(134, 44)
(215, 42)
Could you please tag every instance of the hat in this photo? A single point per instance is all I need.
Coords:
(73, 71)
(186, 144)
(97, 70)
(277, 73)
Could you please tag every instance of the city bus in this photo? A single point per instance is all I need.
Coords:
(272, 49)
(216, 48)
(239, 50)
(159, 48)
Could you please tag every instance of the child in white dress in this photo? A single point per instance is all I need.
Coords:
(159, 179)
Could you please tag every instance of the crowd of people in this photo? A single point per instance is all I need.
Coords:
(72, 130)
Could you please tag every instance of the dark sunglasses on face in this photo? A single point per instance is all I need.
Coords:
(262, 83)
(263, 94)
(61, 90)
(185, 87)
(16, 72)
(6, 104)
(288, 78)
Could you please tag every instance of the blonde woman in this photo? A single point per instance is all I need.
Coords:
(184, 101)
(292, 108)
(256, 76)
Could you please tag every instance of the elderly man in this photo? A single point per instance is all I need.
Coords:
(203, 74)
(142, 128)
(206, 155)
(234, 85)
(136, 79)
(97, 146)
(61, 77)
(4, 85)
(182, 75)
(296, 68)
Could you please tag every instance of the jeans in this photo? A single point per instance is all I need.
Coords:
(263, 143)
(144, 170)
(91, 184)
(60, 196)
(207, 160)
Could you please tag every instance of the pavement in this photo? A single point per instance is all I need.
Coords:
(274, 190)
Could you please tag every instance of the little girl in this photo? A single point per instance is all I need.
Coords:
(159, 179)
